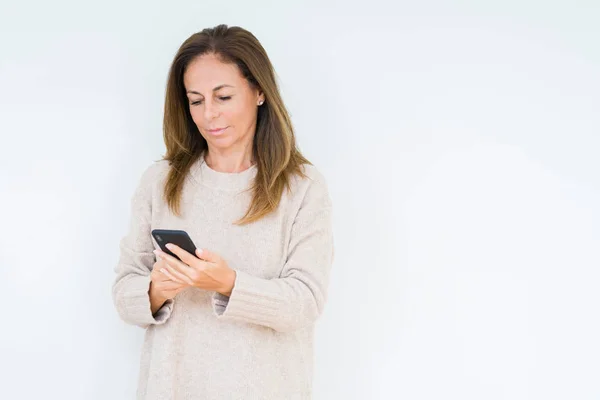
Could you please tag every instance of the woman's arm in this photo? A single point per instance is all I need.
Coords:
(156, 300)
(131, 289)
(297, 298)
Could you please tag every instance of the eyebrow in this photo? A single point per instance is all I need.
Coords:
(214, 90)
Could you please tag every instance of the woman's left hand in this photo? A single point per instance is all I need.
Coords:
(205, 270)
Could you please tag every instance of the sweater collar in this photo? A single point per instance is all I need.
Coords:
(222, 180)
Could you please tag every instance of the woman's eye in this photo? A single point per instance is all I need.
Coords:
(224, 98)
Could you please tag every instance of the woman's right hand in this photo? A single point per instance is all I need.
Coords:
(162, 288)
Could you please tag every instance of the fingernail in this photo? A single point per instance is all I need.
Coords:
(169, 246)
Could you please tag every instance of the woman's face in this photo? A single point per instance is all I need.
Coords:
(219, 97)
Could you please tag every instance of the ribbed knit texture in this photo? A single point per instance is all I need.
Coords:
(258, 343)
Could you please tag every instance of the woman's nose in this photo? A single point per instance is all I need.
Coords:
(210, 110)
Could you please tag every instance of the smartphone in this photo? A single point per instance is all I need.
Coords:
(177, 237)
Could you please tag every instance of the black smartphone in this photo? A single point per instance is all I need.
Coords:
(177, 237)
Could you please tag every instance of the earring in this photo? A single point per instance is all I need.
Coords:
(260, 102)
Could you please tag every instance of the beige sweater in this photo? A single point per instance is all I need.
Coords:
(258, 343)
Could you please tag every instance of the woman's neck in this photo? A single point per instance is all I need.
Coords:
(231, 162)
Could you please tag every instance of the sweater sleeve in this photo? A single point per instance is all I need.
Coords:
(297, 297)
(131, 285)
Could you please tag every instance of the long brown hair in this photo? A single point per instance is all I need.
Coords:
(274, 146)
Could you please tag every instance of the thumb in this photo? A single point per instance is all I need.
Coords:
(207, 255)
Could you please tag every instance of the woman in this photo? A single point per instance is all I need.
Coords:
(236, 319)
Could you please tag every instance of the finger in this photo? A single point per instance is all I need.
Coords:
(169, 259)
(207, 255)
(181, 253)
(172, 285)
(201, 265)
(166, 272)
(181, 277)
(180, 271)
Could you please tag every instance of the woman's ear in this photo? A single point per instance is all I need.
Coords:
(260, 96)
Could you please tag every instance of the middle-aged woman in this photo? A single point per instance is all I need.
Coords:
(235, 320)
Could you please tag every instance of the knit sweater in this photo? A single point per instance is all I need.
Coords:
(256, 344)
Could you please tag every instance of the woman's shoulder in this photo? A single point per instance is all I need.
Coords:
(155, 171)
(151, 175)
(313, 177)
(313, 185)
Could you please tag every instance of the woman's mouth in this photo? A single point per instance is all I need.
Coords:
(217, 131)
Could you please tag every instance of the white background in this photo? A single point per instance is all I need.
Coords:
(460, 141)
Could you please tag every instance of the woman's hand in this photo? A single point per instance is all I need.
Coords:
(205, 270)
(162, 288)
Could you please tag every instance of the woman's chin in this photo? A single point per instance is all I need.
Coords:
(220, 142)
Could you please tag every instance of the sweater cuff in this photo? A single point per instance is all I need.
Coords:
(249, 301)
(136, 302)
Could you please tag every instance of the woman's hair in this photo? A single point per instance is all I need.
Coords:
(274, 147)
